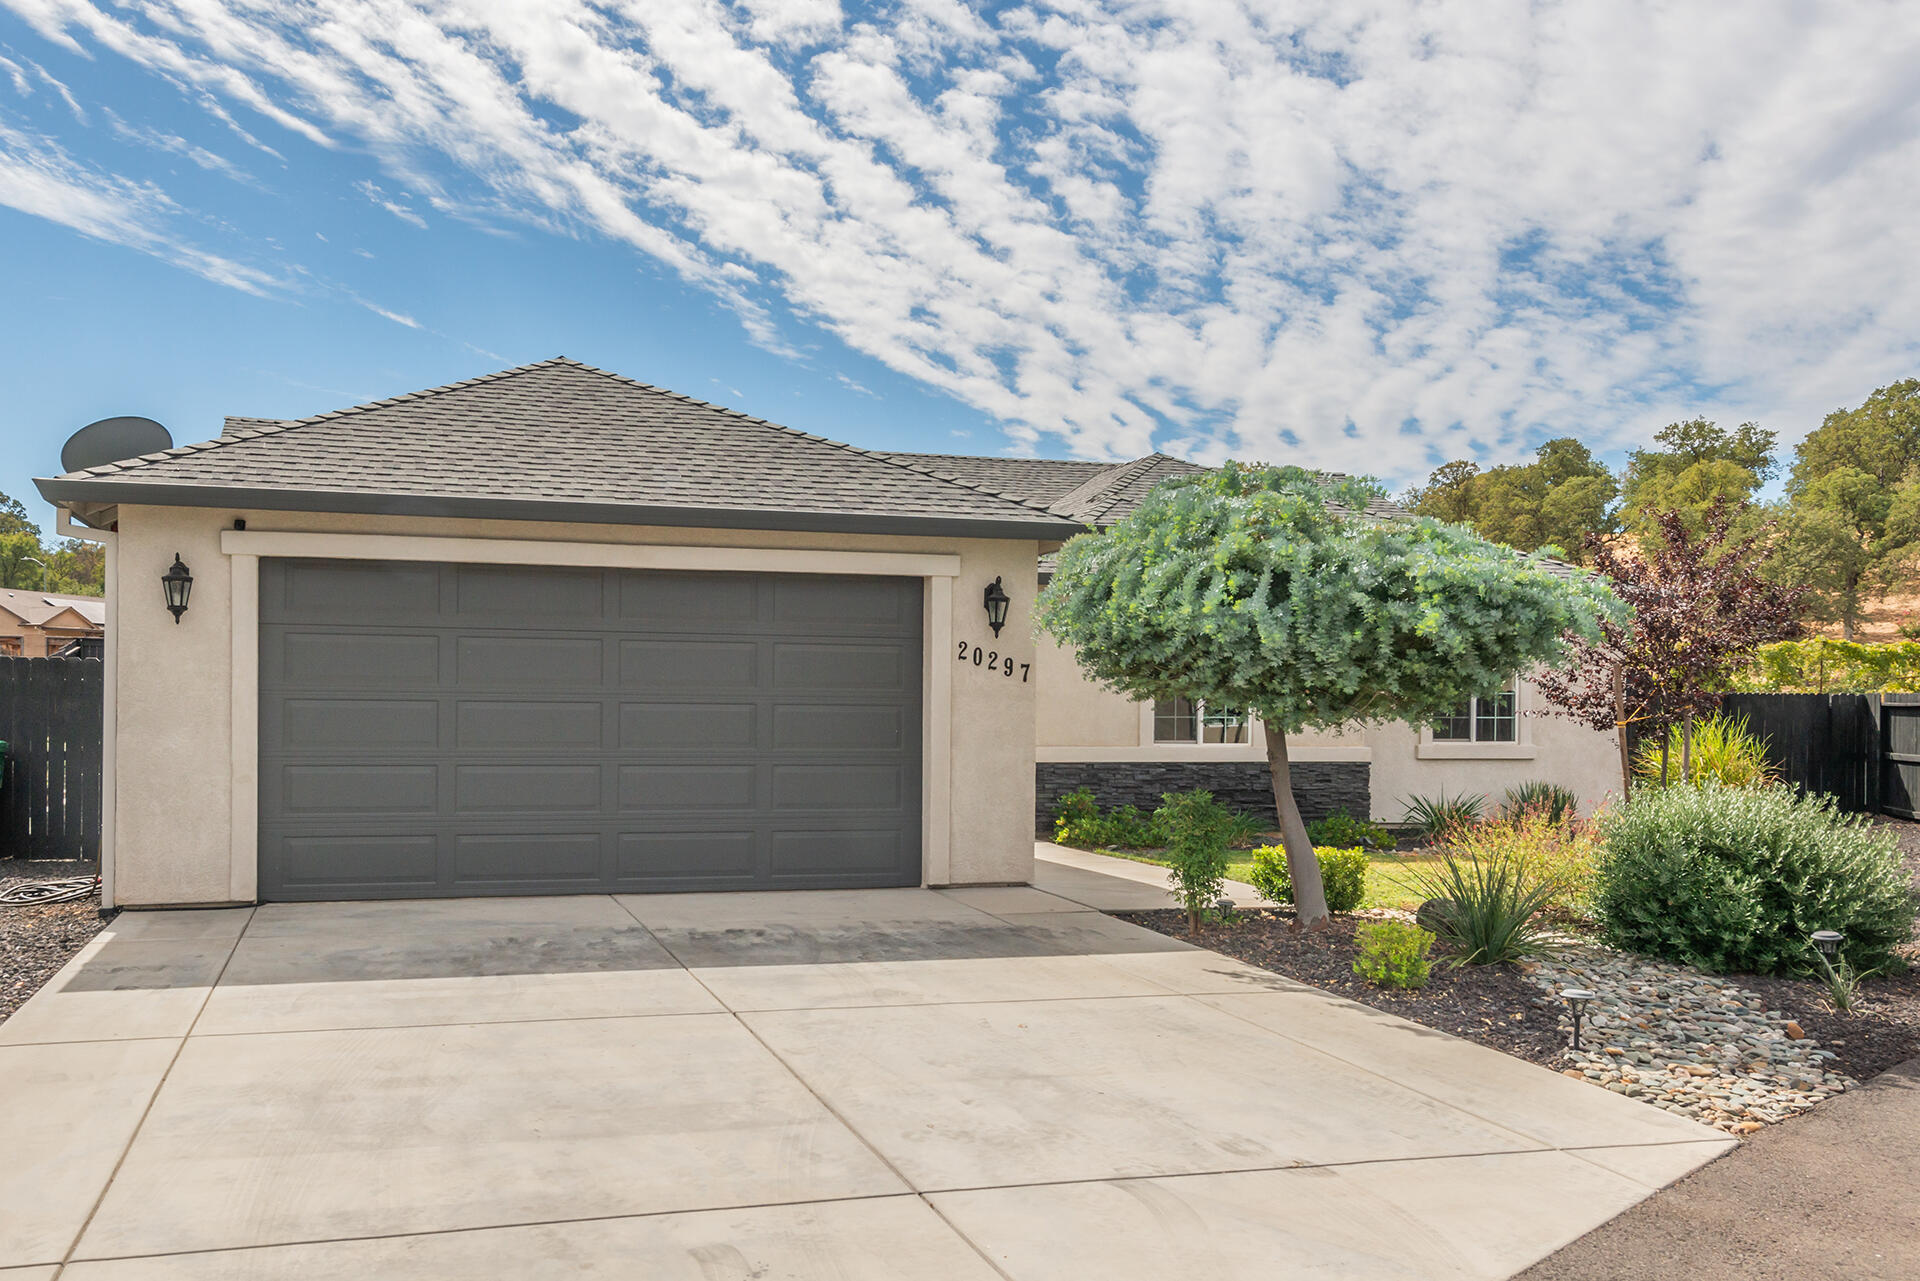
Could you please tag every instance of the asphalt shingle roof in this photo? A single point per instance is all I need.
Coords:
(562, 440)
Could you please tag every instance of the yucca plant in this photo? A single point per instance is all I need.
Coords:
(1489, 908)
(1439, 814)
(1724, 749)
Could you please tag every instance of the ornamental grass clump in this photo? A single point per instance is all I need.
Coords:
(1436, 815)
(1393, 954)
(1722, 748)
(1343, 873)
(1734, 880)
(1197, 828)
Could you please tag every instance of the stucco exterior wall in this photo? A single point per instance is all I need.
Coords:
(1406, 761)
(1080, 722)
(174, 774)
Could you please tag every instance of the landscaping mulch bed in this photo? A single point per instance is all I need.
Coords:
(1494, 1005)
(36, 941)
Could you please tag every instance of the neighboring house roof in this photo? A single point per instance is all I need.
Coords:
(37, 609)
(560, 440)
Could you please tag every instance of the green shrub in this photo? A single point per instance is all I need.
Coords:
(1077, 820)
(1735, 879)
(1490, 909)
(1074, 817)
(1196, 827)
(1343, 875)
(1438, 814)
(1823, 666)
(1540, 799)
(1724, 749)
(1393, 954)
(1563, 855)
(1344, 830)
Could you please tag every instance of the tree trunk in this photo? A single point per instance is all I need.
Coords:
(1686, 748)
(1620, 732)
(1666, 745)
(1303, 868)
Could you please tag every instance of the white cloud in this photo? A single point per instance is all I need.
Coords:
(371, 190)
(38, 177)
(1363, 236)
(397, 317)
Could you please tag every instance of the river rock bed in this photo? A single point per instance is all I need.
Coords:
(1688, 1042)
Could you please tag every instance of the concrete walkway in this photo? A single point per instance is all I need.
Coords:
(887, 1084)
(1110, 884)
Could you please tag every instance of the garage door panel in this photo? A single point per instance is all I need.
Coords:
(327, 725)
(848, 854)
(358, 660)
(684, 727)
(370, 859)
(488, 730)
(671, 788)
(522, 724)
(643, 857)
(820, 726)
(367, 592)
(347, 791)
(529, 662)
(841, 665)
(688, 602)
(670, 665)
(527, 789)
(510, 592)
(533, 857)
(864, 606)
(841, 786)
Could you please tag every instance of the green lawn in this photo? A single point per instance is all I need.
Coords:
(1390, 878)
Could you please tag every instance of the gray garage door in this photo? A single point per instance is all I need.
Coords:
(474, 729)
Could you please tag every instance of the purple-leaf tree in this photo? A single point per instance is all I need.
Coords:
(1700, 609)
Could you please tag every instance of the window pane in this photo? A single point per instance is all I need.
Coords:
(1223, 725)
(1456, 726)
(1495, 719)
(1174, 721)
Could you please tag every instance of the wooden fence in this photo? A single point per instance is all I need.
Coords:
(50, 718)
(1861, 749)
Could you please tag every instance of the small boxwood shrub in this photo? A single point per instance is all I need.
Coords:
(1345, 831)
(1393, 954)
(1734, 879)
(1078, 820)
(1343, 874)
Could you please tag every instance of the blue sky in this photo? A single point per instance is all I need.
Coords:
(1371, 238)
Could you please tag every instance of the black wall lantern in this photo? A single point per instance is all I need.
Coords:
(997, 602)
(178, 582)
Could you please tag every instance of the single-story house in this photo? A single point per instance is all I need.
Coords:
(553, 630)
(41, 624)
(1130, 753)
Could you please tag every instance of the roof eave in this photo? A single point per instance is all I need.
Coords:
(63, 490)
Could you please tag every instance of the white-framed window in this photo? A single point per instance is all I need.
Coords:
(1181, 720)
(1494, 719)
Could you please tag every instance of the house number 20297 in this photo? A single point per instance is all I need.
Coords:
(993, 659)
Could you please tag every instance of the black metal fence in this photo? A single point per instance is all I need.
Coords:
(1861, 749)
(50, 718)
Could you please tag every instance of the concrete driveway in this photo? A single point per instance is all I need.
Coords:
(899, 1083)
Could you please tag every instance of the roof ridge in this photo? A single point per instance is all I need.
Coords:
(977, 486)
(1085, 498)
(289, 424)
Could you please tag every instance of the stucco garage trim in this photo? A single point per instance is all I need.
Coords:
(246, 547)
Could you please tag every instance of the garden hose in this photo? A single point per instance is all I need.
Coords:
(32, 892)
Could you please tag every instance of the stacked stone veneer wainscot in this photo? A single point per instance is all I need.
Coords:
(1320, 787)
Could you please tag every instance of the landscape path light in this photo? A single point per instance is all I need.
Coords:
(1576, 999)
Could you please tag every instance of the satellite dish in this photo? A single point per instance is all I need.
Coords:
(111, 440)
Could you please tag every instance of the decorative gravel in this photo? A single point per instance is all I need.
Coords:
(36, 941)
(1691, 1043)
